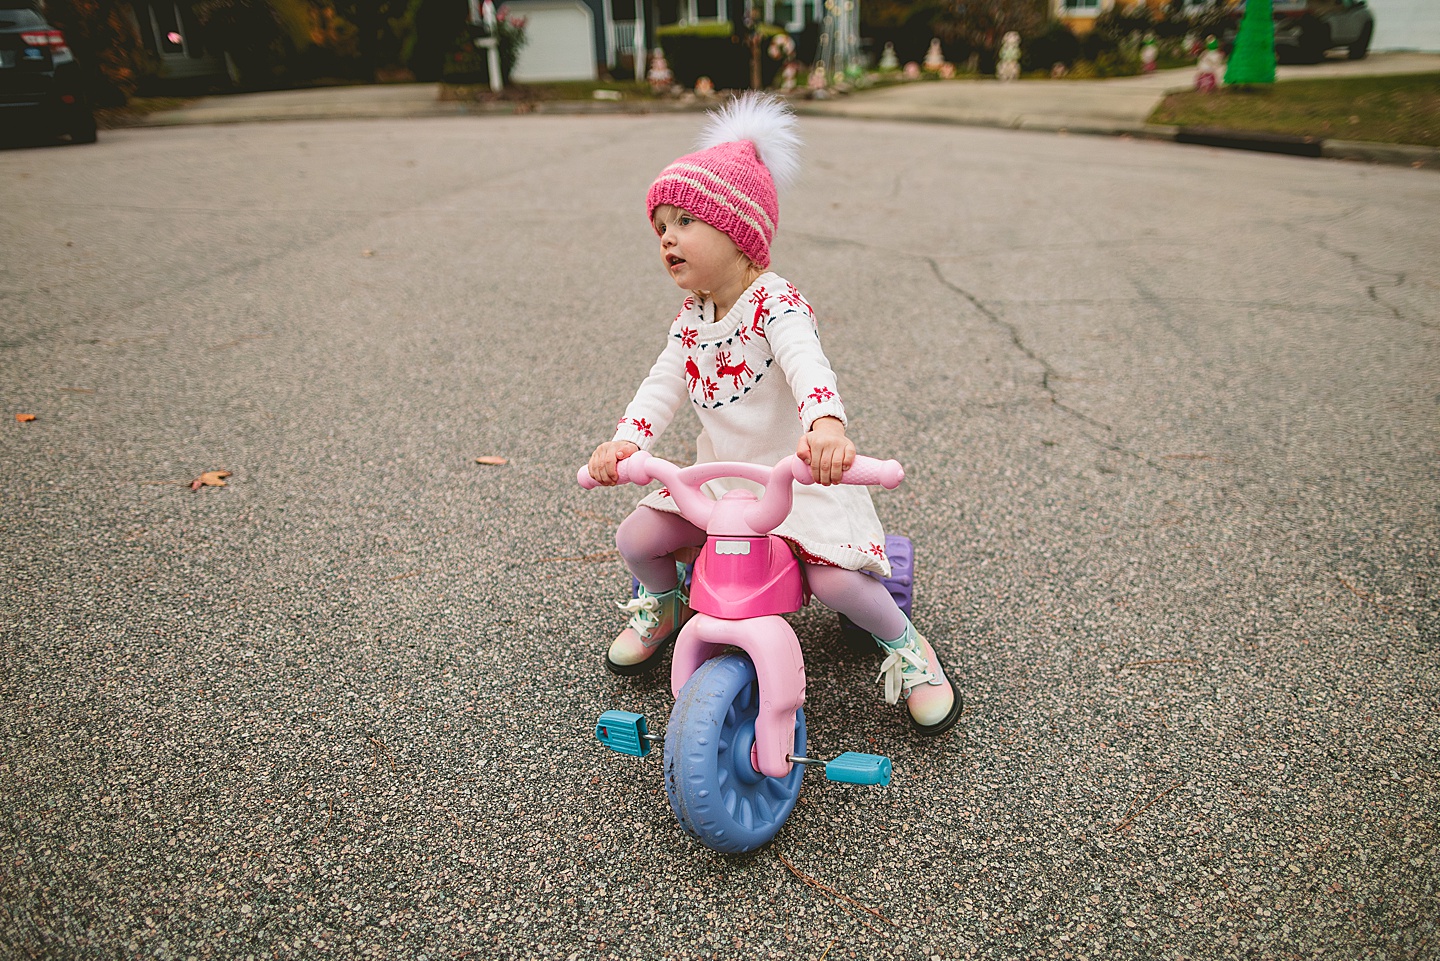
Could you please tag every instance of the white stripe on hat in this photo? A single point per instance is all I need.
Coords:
(719, 200)
(719, 181)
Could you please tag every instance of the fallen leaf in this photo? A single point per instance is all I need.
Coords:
(211, 478)
(24, 418)
(367, 252)
(492, 461)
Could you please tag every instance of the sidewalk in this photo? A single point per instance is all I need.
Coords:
(1112, 107)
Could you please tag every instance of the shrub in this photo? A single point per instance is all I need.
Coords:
(107, 45)
(717, 51)
(1056, 45)
(908, 25)
(1118, 25)
(968, 27)
(469, 62)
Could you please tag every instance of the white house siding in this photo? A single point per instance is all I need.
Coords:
(1406, 25)
(560, 41)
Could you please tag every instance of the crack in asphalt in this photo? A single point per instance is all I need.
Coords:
(1373, 290)
(1047, 371)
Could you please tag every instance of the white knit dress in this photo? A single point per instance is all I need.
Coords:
(746, 375)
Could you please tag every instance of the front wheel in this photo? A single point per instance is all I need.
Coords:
(718, 796)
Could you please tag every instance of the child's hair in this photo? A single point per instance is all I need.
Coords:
(747, 148)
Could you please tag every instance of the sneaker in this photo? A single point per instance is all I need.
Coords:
(655, 619)
(912, 671)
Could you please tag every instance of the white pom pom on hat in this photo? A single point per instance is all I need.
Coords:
(747, 147)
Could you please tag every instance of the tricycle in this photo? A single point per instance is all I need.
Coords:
(734, 747)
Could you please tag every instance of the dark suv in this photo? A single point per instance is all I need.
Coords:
(40, 83)
(1305, 30)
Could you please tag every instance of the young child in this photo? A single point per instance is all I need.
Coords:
(745, 352)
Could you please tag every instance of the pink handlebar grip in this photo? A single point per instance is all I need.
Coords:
(631, 470)
(867, 471)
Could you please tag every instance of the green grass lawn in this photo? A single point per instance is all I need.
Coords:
(1400, 109)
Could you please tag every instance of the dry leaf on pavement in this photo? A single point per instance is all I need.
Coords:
(24, 418)
(211, 478)
(492, 461)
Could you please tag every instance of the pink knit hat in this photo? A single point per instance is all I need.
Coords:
(730, 182)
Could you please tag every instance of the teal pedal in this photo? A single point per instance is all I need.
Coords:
(852, 768)
(624, 732)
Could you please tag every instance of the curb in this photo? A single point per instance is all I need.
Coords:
(1402, 155)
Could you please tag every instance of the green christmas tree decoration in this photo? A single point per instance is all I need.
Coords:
(1253, 61)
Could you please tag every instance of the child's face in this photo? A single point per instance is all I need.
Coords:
(696, 255)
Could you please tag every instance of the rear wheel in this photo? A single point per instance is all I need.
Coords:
(718, 796)
(83, 129)
(1314, 41)
(1360, 49)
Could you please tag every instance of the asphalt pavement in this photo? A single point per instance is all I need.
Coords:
(1170, 419)
(1112, 107)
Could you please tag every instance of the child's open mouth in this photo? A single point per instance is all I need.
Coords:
(672, 261)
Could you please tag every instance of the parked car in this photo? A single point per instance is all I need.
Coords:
(1305, 30)
(41, 88)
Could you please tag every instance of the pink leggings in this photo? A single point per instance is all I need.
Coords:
(648, 538)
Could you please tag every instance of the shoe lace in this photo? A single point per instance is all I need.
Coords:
(903, 669)
(644, 613)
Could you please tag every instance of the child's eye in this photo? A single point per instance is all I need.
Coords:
(684, 220)
(660, 229)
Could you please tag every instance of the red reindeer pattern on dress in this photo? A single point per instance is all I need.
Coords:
(723, 368)
(694, 380)
(758, 298)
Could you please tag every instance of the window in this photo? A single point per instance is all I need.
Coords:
(782, 13)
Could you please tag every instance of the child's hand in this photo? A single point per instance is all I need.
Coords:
(603, 462)
(826, 449)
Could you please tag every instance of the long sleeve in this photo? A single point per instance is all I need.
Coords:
(656, 400)
(795, 341)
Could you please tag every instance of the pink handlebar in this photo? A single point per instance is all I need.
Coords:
(684, 484)
(867, 471)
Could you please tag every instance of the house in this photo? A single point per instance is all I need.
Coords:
(581, 39)
(173, 37)
(1406, 25)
